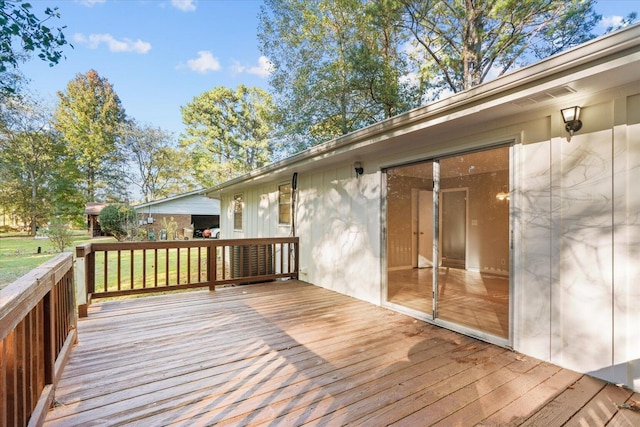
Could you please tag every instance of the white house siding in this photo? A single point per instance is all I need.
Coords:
(578, 206)
(338, 223)
(339, 228)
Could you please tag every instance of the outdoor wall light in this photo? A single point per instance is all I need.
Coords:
(571, 117)
(357, 166)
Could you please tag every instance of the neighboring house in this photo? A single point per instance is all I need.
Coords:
(535, 233)
(186, 210)
(92, 211)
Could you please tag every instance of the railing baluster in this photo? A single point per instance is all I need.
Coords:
(199, 263)
(106, 270)
(282, 257)
(144, 268)
(177, 266)
(131, 283)
(188, 265)
(155, 268)
(166, 268)
(119, 270)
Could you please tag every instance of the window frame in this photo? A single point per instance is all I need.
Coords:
(286, 204)
(238, 211)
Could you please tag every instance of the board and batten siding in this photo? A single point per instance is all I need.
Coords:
(577, 273)
(338, 223)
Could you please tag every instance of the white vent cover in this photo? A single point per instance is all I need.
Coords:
(547, 95)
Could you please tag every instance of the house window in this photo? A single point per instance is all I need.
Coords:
(284, 204)
(237, 212)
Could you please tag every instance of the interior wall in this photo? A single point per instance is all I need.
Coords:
(488, 221)
(399, 214)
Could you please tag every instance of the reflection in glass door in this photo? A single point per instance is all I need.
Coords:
(410, 237)
(468, 222)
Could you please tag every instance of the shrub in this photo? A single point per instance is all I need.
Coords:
(59, 234)
(119, 220)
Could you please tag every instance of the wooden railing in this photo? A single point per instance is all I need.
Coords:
(37, 331)
(125, 268)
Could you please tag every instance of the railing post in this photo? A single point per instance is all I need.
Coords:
(85, 277)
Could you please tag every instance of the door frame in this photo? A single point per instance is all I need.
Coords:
(514, 241)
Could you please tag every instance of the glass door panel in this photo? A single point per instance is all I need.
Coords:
(473, 265)
(410, 236)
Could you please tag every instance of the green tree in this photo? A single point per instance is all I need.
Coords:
(461, 43)
(89, 116)
(337, 65)
(19, 25)
(227, 133)
(158, 166)
(32, 159)
(341, 65)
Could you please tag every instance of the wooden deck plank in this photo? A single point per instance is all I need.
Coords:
(516, 412)
(628, 417)
(601, 408)
(564, 406)
(273, 396)
(289, 353)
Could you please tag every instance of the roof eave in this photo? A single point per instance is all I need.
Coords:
(589, 52)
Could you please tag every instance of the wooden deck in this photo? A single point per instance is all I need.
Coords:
(290, 354)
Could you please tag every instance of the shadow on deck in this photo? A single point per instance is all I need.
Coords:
(289, 353)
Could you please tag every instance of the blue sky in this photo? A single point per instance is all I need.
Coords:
(159, 54)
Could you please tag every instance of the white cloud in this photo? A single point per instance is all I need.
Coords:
(184, 5)
(204, 63)
(611, 21)
(93, 41)
(263, 69)
(90, 2)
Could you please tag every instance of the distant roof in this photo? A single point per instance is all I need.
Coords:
(94, 208)
(193, 203)
(168, 199)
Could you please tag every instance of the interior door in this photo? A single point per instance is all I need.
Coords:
(453, 228)
(471, 287)
(425, 229)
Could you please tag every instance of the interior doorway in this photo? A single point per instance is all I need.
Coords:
(448, 245)
(453, 228)
(422, 232)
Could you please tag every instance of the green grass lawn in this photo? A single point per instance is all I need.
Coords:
(19, 253)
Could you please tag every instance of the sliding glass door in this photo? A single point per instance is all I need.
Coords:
(448, 240)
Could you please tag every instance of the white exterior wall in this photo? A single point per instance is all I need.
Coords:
(338, 223)
(577, 292)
